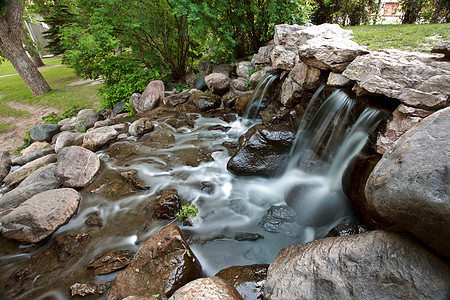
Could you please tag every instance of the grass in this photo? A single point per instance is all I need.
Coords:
(7, 68)
(414, 37)
(5, 126)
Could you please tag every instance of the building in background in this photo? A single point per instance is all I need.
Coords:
(389, 12)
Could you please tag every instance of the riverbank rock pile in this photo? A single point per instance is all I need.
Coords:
(409, 188)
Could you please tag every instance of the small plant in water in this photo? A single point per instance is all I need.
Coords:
(188, 211)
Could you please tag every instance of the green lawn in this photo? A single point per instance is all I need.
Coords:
(7, 68)
(415, 37)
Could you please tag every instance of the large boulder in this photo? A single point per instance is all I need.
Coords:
(282, 58)
(205, 101)
(77, 166)
(239, 85)
(151, 98)
(211, 288)
(30, 156)
(86, 119)
(264, 56)
(163, 264)
(262, 152)
(15, 177)
(39, 181)
(243, 68)
(218, 83)
(410, 184)
(5, 164)
(415, 79)
(41, 215)
(44, 132)
(94, 139)
(373, 265)
(306, 76)
(67, 138)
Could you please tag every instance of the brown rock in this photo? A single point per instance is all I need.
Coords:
(218, 83)
(76, 166)
(151, 98)
(283, 59)
(111, 262)
(306, 76)
(211, 288)
(83, 289)
(168, 204)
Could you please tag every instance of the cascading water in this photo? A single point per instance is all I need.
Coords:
(260, 97)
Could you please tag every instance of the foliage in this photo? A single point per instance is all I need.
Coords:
(432, 11)
(4, 126)
(411, 10)
(181, 88)
(53, 118)
(188, 211)
(254, 70)
(27, 141)
(353, 12)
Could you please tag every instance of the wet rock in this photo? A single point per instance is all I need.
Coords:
(94, 139)
(280, 219)
(419, 162)
(337, 80)
(256, 77)
(373, 265)
(182, 120)
(200, 83)
(223, 69)
(132, 177)
(110, 185)
(218, 83)
(262, 151)
(151, 98)
(264, 56)
(111, 262)
(44, 132)
(177, 99)
(306, 76)
(247, 280)
(86, 119)
(140, 127)
(67, 139)
(403, 119)
(413, 78)
(243, 68)
(242, 102)
(32, 155)
(5, 164)
(443, 48)
(291, 92)
(119, 108)
(247, 236)
(41, 215)
(282, 58)
(212, 288)
(205, 101)
(77, 166)
(94, 219)
(70, 244)
(168, 204)
(347, 228)
(239, 85)
(162, 265)
(84, 289)
(39, 181)
(17, 176)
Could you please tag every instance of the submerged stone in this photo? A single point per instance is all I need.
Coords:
(111, 261)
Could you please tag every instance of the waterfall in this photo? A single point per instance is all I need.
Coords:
(260, 97)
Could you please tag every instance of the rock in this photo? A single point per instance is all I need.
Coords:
(282, 58)
(32, 148)
(292, 37)
(132, 177)
(243, 68)
(44, 132)
(163, 264)
(262, 151)
(41, 215)
(151, 98)
(306, 76)
(94, 219)
(337, 80)
(119, 108)
(347, 228)
(419, 162)
(67, 139)
(76, 166)
(280, 219)
(247, 280)
(111, 262)
(205, 101)
(403, 119)
(84, 289)
(30, 156)
(15, 177)
(200, 83)
(94, 139)
(242, 101)
(70, 245)
(414, 79)
(316, 53)
(103, 123)
(211, 288)
(168, 204)
(291, 92)
(218, 83)
(373, 265)
(177, 99)
(86, 119)
(223, 69)
(204, 67)
(264, 56)
(140, 127)
(256, 77)
(190, 79)
(443, 48)
(41, 180)
(239, 85)
(134, 98)
(5, 164)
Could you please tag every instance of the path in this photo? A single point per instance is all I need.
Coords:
(40, 68)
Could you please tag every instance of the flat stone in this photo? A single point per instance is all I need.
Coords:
(94, 139)
(32, 155)
(111, 262)
(211, 288)
(14, 178)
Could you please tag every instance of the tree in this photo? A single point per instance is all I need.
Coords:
(11, 28)
(353, 12)
(412, 10)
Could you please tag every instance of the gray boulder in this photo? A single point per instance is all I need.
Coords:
(14, 178)
(415, 79)
(140, 127)
(29, 157)
(264, 56)
(67, 139)
(86, 119)
(256, 77)
(239, 85)
(41, 215)
(337, 80)
(223, 69)
(282, 58)
(373, 265)
(410, 184)
(306, 76)
(211, 288)
(5, 164)
(243, 68)
(200, 84)
(94, 139)
(44, 132)
(218, 83)
(443, 48)
(151, 98)
(76, 166)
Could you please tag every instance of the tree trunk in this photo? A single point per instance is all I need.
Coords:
(12, 47)
(31, 48)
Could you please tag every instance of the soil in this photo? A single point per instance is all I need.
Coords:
(13, 137)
